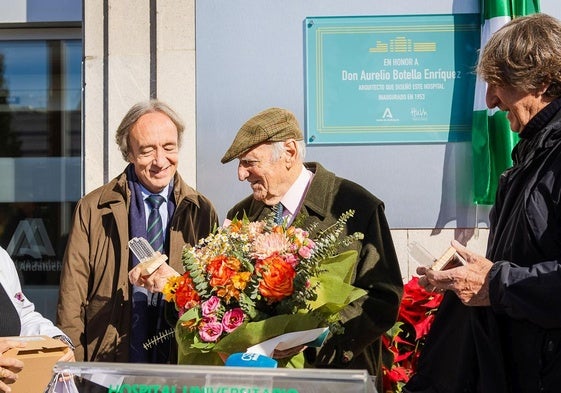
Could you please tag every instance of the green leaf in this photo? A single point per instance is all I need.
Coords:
(335, 291)
(395, 330)
(192, 313)
(198, 358)
(253, 333)
(341, 265)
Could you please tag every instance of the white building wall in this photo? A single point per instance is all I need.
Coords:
(135, 50)
(13, 11)
(118, 55)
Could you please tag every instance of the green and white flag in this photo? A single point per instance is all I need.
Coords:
(492, 139)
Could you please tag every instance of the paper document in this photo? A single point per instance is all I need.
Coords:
(312, 338)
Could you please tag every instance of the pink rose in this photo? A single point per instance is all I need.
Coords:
(291, 259)
(305, 252)
(210, 306)
(310, 243)
(209, 319)
(210, 332)
(232, 319)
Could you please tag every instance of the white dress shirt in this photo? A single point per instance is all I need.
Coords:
(293, 198)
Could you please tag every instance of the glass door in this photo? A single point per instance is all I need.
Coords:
(40, 153)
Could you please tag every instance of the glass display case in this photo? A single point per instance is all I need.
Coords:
(156, 378)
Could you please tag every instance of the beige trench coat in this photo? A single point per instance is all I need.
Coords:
(94, 307)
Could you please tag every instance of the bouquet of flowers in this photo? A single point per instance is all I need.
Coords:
(250, 281)
(406, 338)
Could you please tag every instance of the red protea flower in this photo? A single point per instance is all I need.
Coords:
(406, 338)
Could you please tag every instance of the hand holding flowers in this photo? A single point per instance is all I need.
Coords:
(250, 281)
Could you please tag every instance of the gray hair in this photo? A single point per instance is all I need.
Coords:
(135, 113)
(525, 54)
(278, 149)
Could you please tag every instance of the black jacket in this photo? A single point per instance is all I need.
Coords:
(514, 345)
(377, 270)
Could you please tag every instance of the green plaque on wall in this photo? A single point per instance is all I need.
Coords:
(390, 79)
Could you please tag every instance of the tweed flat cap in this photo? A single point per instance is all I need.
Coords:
(271, 125)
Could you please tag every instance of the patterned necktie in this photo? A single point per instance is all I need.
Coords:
(146, 306)
(155, 229)
(278, 214)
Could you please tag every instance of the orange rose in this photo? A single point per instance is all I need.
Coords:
(185, 294)
(277, 278)
(221, 270)
(225, 276)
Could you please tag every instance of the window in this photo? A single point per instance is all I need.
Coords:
(40, 153)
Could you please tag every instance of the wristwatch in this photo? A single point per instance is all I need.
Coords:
(65, 340)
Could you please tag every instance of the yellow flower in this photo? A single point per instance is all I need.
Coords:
(240, 280)
(170, 288)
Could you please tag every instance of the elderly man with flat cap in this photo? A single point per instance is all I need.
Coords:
(270, 150)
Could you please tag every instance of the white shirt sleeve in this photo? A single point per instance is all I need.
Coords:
(32, 322)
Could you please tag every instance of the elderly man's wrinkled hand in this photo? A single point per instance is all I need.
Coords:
(154, 282)
(469, 282)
